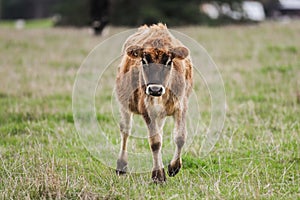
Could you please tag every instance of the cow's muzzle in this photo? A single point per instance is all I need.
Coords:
(155, 90)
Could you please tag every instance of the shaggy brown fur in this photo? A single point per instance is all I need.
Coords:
(149, 53)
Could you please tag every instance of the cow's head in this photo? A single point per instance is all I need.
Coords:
(157, 65)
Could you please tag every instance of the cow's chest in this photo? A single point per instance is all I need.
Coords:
(158, 107)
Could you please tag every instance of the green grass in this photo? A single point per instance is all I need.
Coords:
(257, 156)
(33, 23)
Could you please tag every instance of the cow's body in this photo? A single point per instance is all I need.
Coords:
(154, 80)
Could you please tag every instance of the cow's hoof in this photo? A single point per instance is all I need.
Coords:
(120, 173)
(159, 176)
(173, 168)
(121, 167)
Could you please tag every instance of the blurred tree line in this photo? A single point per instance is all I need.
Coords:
(117, 12)
(26, 9)
(172, 12)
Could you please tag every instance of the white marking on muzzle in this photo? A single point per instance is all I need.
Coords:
(157, 85)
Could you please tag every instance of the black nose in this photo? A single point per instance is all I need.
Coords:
(155, 90)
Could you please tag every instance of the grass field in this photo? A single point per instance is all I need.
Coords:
(257, 156)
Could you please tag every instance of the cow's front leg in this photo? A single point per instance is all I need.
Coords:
(158, 172)
(125, 129)
(155, 141)
(179, 139)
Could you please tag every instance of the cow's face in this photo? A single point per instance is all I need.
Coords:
(157, 66)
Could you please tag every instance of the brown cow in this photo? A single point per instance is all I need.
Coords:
(154, 80)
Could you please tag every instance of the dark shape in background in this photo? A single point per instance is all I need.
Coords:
(99, 11)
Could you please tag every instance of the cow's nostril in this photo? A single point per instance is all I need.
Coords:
(155, 90)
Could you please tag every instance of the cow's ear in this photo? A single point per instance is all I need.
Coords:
(179, 52)
(134, 51)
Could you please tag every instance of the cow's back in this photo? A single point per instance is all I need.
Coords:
(155, 36)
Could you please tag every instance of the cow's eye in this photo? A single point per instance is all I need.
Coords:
(147, 59)
(144, 61)
(169, 62)
(166, 60)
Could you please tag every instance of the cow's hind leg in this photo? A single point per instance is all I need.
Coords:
(125, 129)
(179, 139)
